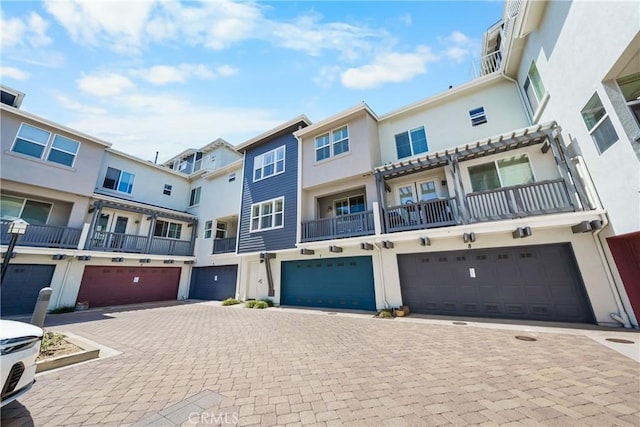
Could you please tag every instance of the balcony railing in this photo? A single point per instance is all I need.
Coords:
(224, 245)
(519, 201)
(486, 65)
(421, 215)
(343, 226)
(131, 243)
(46, 236)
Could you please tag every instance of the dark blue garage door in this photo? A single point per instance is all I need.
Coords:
(213, 283)
(329, 282)
(21, 286)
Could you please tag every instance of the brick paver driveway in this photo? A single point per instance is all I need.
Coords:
(288, 367)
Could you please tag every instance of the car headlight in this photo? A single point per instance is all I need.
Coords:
(12, 345)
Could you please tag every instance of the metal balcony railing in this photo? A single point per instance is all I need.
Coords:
(45, 236)
(343, 226)
(519, 201)
(421, 215)
(131, 243)
(224, 245)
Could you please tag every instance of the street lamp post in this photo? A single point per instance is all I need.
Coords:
(16, 229)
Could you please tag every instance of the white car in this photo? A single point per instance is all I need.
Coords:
(20, 344)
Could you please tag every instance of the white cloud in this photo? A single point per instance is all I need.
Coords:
(161, 75)
(104, 84)
(13, 73)
(73, 105)
(459, 46)
(28, 32)
(226, 70)
(406, 19)
(143, 124)
(327, 76)
(389, 67)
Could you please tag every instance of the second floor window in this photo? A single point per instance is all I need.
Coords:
(167, 190)
(267, 215)
(195, 196)
(411, 143)
(332, 143)
(208, 227)
(533, 88)
(221, 230)
(32, 211)
(599, 124)
(35, 142)
(268, 164)
(118, 180)
(168, 229)
(507, 172)
(478, 116)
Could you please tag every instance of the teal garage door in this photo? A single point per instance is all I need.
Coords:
(329, 283)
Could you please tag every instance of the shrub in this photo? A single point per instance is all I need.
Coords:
(268, 301)
(51, 341)
(67, 309)
(250, 304)
(260, 304)
(230, 301)
(385, 314)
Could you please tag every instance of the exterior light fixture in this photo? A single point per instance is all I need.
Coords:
(425, 241)
(304, 251)
(335, 249)
(16, 229)
(366, 246)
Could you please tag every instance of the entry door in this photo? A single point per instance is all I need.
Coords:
(427, 190)
(120, 228)
(258, 287)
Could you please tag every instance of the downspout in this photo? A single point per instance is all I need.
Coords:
(384, 294)
(621, 317)
(265, 257)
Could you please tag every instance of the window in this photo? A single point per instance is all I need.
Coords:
(208, 229)
(332, 143)
(507, 172)
(630, 87)
(167, 189)
(268, 164)
(599, 124)
(34, 142)
(411, 143)
(221, 230)
(349, 205)
(195, 196)
(533, 88)
(232, 177)
(168, 229)
(32, 211)
(478, 116)
(267, 215)
(118, 180)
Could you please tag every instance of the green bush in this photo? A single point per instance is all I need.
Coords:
(68, 309)
(385, 314)
(250, 304)
(231, 301)
(268, 301)
(51, 341)
(260, 304)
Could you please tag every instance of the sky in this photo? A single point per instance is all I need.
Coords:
(164, 76)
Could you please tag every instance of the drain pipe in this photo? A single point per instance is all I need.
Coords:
(266, 257)
(384, 293)
(621, 317)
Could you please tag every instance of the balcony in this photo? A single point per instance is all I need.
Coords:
(422, 215)
(224, 245)
(44, 236)
(539, 198)
(130, 243)
(352, 225)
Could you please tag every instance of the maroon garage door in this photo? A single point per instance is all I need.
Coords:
(103, 286)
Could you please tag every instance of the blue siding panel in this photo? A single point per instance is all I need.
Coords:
(284, 184)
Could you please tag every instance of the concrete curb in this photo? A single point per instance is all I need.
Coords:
(87, 352)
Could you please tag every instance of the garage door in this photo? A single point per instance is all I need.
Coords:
(329, 282)
(213, 283)
(21, 286)
(539, 282)
(103, 286)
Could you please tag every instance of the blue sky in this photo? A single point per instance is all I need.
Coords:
(165, 76)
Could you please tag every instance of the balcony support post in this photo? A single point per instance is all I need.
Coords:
(152, 227)
(92, 227)
(380, 187)
(572, 184)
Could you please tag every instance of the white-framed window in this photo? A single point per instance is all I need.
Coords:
(505, 172)
(171, 230)
(221, 230)
(32, 211)
(118, 180)
(478, 116)
(208, 229)
(332, 143)
(267, 215)
(269, 164)
(599, 124)
(349, 205)
(167, 189)
(533, 88)
(35, 142)
(411, 143)
(232, 176)
(630, 88)
(194, 199)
